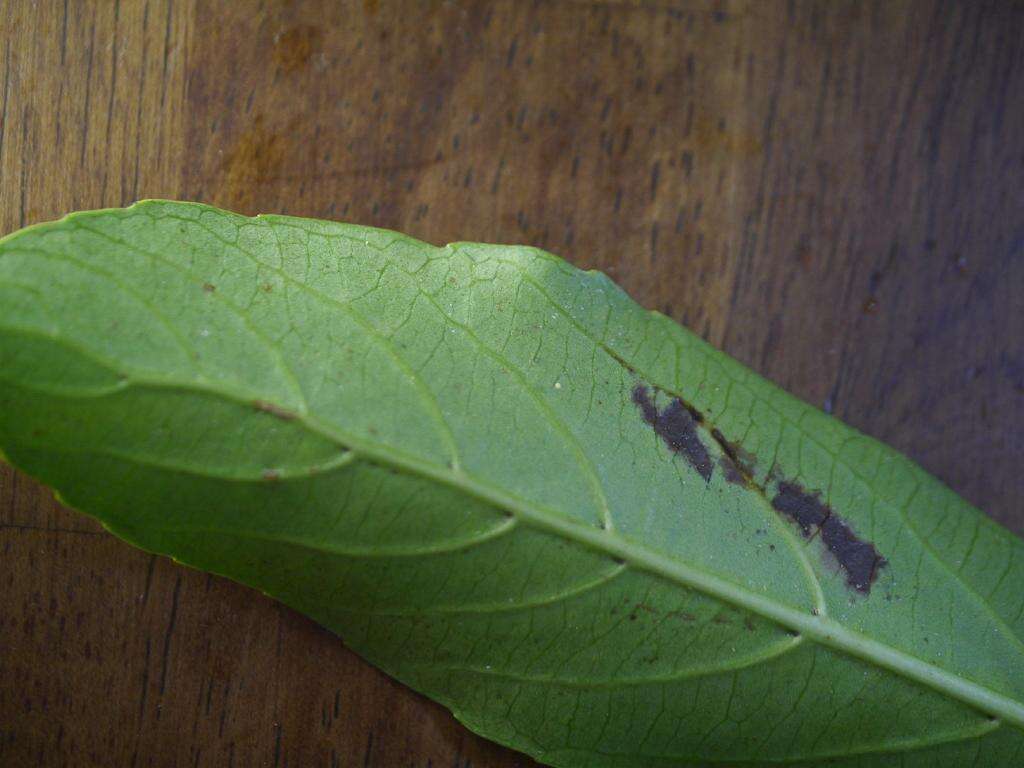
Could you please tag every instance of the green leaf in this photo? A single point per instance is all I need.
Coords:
(592, 536)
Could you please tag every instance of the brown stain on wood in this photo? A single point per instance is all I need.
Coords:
(294, 47)
(258, 157)
(707, 136)
(844, 133)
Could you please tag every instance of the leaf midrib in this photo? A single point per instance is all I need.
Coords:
(821, 629)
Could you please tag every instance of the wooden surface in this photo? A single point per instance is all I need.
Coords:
(833, 192)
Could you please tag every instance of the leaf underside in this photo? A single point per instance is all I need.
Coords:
(593, 537)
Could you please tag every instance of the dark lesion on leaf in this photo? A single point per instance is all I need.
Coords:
(676, 424)
(736, 463)
(731, 471)
(858, 559)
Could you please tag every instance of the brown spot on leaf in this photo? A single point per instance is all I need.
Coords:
(273, 409)
(859, 560)
(676, 425)
(209, 287)
(271, 475)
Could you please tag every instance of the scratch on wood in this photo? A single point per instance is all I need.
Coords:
(167, 637)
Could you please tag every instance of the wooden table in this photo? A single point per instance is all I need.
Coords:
(833, 192)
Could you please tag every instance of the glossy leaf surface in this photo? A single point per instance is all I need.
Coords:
(592, 536)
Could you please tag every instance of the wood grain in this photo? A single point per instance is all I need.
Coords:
(830, 191)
